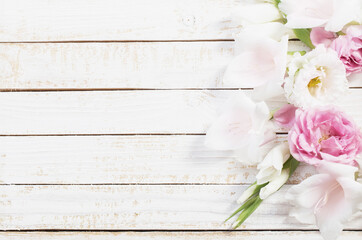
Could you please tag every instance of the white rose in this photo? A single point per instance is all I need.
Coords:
(318, 78)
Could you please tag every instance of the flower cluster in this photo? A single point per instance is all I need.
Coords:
(310, 83)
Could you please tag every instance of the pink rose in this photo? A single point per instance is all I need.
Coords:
(348, 47)
(324, 134)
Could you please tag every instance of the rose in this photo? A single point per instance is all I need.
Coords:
(324, 135)
(348, 46)
(315, 79)
(349, 49)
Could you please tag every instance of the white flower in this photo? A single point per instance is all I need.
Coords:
(271, 170)
(315, 79)
(327, 199)
(332, 14)
(274, 184)
(260, 64)
(243, 126)
(272, 165)
(255, 12)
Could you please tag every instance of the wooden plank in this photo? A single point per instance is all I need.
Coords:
(123, 112)
(22, 20)
(122, 160)
(131, 207)
(235, 235)
(117, 65)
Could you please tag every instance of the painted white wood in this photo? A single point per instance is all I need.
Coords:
(123, 160)
(52, 20)
(123, 112)
(235, 235)
(138, 207)
(117, 65)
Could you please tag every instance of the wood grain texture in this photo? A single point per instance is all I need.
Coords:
(38, 20)
(124, 112)
(139, 207)
(117, 65)
(250, 235)
(123, 160)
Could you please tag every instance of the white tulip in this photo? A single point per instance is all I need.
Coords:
(274, 184)
(243, 126)
(246, 194)
(272, 165)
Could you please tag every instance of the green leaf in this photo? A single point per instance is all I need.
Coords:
(247, 212)
(304, 36)
(245, 205)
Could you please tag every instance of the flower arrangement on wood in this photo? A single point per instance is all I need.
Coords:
(309, 84)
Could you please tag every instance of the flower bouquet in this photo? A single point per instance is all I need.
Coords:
(311, 82)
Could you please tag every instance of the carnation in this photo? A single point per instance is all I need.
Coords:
(324, 134)
(318, 78)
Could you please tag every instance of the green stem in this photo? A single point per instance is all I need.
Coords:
(247, 212)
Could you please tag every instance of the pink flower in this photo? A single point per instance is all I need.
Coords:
(324, 134)
(348, 47)
(319, 35)
(285, 116)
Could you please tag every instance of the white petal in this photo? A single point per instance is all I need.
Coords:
(333, 212)
(337, 170)
(231, 130)
(306, 13)
(344, 12)
(307, 193)
(247, 70)
(246, 194)
(261, 60)
(274, 185)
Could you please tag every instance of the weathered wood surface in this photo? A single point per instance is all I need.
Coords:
(124, 112)
(117, 65)
(123, 160)
(250, 235)
(131, 207)
(38, 20)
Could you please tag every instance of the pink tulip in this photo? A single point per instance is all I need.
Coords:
(324, 134)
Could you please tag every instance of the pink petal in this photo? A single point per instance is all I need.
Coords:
(285, 116)
(319, 35)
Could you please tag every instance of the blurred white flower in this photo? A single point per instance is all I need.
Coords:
(331, 14)
(318, 78)
(243, 126)
(327, 199)
(260, 64)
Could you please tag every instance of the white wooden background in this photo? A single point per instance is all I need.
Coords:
(104, 106)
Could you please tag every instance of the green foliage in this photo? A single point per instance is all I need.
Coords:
(303, 35)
